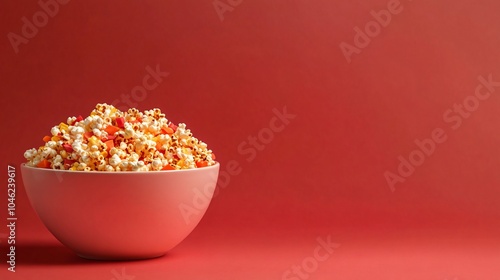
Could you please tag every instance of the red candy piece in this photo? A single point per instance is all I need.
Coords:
(88, 134)
(120, 122)
(68, 148)
(172, 126)
(68, 163)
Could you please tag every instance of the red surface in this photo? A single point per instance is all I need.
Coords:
(323, 174)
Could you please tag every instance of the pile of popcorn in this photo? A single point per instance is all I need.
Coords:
(112, 140)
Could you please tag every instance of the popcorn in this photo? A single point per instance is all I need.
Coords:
(55, 131)
(30, 154)
(112, 140)
(115, 160)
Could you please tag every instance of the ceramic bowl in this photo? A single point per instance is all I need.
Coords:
(120, 215)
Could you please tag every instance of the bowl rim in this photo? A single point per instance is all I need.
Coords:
(24, 165)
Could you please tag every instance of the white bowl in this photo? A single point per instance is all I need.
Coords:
(120, 215)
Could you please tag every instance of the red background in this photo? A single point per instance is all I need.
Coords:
(323, 174)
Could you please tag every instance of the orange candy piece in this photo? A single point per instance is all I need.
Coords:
(168, 167)
(202, 163)
(167, 130)
(109, 144)
(111, 129)
(44, 164)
